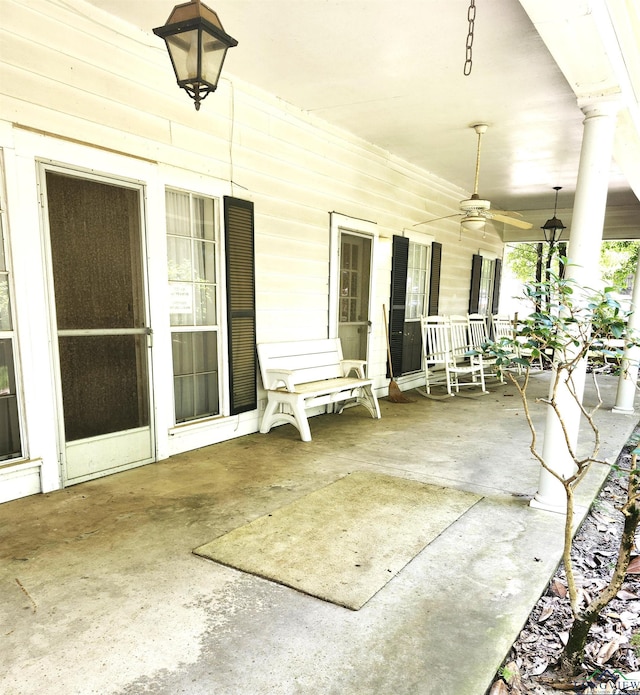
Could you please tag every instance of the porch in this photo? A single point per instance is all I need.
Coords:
(101, 593)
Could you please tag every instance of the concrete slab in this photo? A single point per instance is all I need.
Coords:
(346, 541)
(100, 592)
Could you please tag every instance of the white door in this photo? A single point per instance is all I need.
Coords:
(100, 319)
(354, 286)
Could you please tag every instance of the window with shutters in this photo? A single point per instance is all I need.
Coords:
(486, 286)
(484, 294)
(192, 245)
(415, 281)
(415, 306)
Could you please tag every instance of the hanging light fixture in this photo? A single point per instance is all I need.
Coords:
(553, 227)
(197, 45)
(473, 223)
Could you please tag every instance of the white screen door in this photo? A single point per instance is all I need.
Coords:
(95, 232)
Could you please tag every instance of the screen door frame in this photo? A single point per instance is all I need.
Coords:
(139, 437)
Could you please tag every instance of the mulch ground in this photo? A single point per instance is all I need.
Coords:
(614, 642)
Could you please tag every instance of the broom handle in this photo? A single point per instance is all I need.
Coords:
(386, 332)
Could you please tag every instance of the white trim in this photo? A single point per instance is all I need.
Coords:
(490, 255)
(418, 237)
(339, 222)
(20, 480)
(64, 448)
(363, 228)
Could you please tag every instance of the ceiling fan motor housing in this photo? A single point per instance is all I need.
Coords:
(474, 204)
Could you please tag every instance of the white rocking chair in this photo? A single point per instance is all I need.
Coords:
(446, 355)
(504, 327)
(478, 337)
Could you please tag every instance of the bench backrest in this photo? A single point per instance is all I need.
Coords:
(310, 360)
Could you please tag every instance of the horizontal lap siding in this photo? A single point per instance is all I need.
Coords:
(71, 71)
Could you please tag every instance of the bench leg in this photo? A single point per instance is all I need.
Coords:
(274, 415)
(301, 421)
(369, 400)
(271, 415)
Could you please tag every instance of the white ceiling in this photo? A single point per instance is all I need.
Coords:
(391, 71)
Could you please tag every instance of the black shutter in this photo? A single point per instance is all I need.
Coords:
(476, 275)
(497, 275)
(434, 279)
(399, 264)
(241, 303)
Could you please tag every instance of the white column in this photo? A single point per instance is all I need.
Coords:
(583, 253)
(629, 376)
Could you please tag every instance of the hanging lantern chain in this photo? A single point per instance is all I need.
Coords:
(471, 16)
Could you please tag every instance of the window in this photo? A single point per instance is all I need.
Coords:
(415, 282)
(192, 272)
(484, 294)
(486, 286)
(10, 440)
(415, 306)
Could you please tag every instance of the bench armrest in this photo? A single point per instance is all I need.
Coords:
(277, 377)
(357, 365)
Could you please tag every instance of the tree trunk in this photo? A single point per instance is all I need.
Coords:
(579, 632)
(574, 651)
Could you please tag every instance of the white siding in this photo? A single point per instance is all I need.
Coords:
(88, 90)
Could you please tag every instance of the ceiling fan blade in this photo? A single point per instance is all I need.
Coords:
(521, 224)
(505, 212)
(437, 219)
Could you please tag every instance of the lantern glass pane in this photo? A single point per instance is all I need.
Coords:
(213, 53)
(183, 49)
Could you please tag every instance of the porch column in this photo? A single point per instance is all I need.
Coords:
(629, 373)
(583, 253)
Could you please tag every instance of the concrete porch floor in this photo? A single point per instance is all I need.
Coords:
(101, 593)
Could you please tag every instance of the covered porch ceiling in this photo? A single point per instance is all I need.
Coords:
(391, 72)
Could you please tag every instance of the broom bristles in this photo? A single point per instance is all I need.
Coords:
(396, 395)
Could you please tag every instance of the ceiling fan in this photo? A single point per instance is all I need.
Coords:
(476, 211)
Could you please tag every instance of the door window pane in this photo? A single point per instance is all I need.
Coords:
(353, 317)
(104, 384)
(96, 251)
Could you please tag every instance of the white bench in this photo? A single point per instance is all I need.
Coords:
(304, 374)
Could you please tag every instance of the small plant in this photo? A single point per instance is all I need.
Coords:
(565, 328)
(507, 674)
(635, 643)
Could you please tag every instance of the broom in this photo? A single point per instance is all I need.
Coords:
(395, 394)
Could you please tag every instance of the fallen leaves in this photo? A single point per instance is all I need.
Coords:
(610, 645)
(558, 588)
(634, 565)
(608, 649)
(499, 688)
